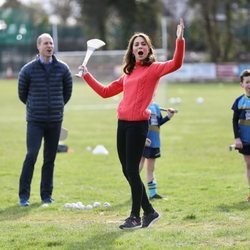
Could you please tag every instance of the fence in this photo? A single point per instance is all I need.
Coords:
(107, 66)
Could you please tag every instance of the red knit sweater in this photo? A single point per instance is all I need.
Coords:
(139, 86)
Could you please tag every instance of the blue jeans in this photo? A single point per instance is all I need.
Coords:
(36, 131)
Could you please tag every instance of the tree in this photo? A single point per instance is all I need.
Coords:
(120, 18)
(94, 17)
(12, 4)
(148, 17)
(66, 10)
(218, 19)
(126, 14)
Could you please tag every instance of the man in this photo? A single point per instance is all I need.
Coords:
(45, 86)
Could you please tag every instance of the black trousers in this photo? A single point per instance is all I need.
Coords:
(36, 131)
(131, 136)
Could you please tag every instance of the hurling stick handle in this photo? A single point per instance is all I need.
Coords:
(232, 147)
(87, 56)
(165, 109)
(84, 63)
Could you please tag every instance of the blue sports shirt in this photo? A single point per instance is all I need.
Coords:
(155, 121)
(241, 118)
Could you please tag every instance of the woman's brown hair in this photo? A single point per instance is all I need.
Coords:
(129, 58)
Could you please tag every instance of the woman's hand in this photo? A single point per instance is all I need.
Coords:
(83, 69)
(180, 29)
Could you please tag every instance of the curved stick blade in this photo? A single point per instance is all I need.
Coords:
(95, 43)
(92, 45)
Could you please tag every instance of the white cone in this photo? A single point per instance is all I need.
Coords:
(100, 149)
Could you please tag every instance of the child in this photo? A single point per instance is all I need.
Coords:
(241, 122)
(152, 147)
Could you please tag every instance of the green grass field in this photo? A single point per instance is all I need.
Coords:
(204, 182)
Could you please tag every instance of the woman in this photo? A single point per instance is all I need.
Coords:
(138, 83)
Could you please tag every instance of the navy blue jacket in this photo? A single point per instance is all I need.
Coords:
(45, 92)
